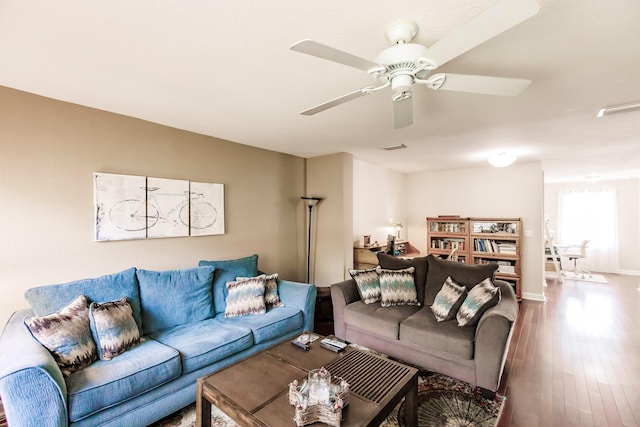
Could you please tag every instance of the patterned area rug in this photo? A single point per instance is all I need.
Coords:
(444, 401)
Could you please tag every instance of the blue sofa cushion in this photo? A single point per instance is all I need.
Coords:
(67, 335)
(203, 343)
(113, 327)
(48, 299)
(227, 271)
(161, 292)
(275, 323)
(108, 383)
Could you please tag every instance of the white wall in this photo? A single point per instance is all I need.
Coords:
(512, 192)
(379, 200)
(48, 153)
(628, 199)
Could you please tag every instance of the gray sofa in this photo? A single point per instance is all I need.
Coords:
(474, 354)
(186, 335)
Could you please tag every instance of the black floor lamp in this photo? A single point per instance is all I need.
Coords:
(310, 202)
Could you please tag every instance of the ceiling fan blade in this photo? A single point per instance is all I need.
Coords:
(337, 101)
(479, 84)
(326, 52)
(500, 17)
(403, 112)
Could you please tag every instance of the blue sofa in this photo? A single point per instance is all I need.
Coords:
(185, 336)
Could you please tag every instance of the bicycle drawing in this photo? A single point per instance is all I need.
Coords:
(133, 207)
(136, 215)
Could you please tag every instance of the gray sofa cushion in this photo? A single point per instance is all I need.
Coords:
(462, 274)
(424, 330)
(378, 320)
(203, 343)
(107, 383)
(389, 262)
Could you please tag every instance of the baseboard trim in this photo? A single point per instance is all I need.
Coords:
(629, 272)
(534, 297)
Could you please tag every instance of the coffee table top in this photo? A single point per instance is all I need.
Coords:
(254, 391)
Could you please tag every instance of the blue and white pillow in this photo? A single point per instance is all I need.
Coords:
(271, 296)
(368, 284)
(113, 327)
(480, 298)
(448, 300)
(397, 287)
(246, 296)
(67, 335)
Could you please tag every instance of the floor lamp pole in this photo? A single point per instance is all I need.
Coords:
(310, 202)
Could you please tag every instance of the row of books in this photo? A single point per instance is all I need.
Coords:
(507, 267)
(447, 244)
(496, 246)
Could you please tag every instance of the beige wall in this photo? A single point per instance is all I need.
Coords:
(516, 191)
(379, 200)
(331, 178)
(48, 153)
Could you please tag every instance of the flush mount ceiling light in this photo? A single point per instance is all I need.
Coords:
(502, 160)
(592, 178)
(619, 108)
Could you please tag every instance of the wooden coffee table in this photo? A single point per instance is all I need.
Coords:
(255, 391)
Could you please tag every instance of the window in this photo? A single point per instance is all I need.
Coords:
(590, 214)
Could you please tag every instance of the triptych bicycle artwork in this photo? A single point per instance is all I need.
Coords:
(137, 207)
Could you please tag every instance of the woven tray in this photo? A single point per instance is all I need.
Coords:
(329, 414)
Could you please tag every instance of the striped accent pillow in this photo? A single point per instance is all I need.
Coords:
(480, 298)
(271, 296)
(448, 300)
(246, 296)
(397, 287)
(67, 335)
(113, 327)
(368, 284)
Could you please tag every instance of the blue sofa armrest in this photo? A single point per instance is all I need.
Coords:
(300, 295)
(32, 387)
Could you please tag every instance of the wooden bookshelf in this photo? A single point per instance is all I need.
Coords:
(480, 241)
(446, 233)
(498, 240)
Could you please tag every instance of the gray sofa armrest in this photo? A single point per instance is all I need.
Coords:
(493, 335)
(342, 294)
(32, 387)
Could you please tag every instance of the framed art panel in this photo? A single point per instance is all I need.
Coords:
(119, 207)
(207, 209)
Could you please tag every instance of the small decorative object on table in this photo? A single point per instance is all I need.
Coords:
(319, 399)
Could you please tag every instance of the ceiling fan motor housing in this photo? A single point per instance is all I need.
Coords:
(403, 62)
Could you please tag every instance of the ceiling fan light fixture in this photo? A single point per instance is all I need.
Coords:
(502, 160)
(401, 83)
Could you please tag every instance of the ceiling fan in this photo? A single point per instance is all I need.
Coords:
(405, 64)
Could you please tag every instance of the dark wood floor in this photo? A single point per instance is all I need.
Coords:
(574, 360)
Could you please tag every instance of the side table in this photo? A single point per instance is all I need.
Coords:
(323, 322)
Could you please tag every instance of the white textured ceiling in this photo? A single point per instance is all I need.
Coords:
(223, 68)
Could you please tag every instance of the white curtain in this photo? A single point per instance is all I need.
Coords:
(590, 214)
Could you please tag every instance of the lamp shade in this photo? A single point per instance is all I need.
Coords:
(310, 201)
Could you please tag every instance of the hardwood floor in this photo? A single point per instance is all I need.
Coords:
(574, 360)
